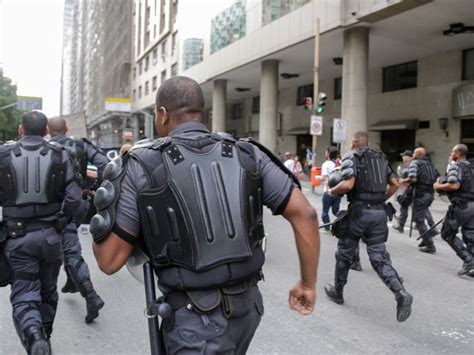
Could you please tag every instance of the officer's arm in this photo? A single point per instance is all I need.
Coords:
(304, 220)
(343, 187)
(112, 253)
(392, 187)
(96, 157)
(72, 192)
(452, 181)
(439, 187)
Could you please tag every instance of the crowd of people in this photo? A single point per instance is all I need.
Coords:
(192, 201)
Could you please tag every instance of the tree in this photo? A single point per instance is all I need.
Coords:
(9, 117)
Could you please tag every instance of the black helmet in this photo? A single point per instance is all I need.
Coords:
(335, 178)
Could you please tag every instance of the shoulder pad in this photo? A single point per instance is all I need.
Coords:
(348, 163)
(348, 173)
(226, 136)
(58, 147)
(452, 179)
(349, 155)
(114, 168)
(106, 198)
(144, 143)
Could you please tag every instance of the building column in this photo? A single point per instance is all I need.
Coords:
(355, 81)
(219, 102)
(269, 104)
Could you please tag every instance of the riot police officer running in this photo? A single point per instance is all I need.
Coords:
(81, 151)
(198, 198)
(365, 176)
(38, 193)
(422, 174)
(459, 185)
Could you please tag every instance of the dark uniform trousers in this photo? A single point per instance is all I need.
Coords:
(421, 204)
(213, 333)
(404, 216)
(464, 215)
(370, 225)
(73, 260)
(35, 259)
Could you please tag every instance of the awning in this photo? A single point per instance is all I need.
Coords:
(394, 125)
(298, 130)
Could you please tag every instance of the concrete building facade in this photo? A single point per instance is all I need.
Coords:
(397, 68)
(96, 66)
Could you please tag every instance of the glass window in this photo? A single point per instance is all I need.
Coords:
(147, 88)
(147, 62)
(155, 82)
(256, 104)
(174, 69)
(163, 76)
(154, 56)
(237, 111)
(468, 64)
(337, 88)
(400, 76)
(140, 92)
(303, 92)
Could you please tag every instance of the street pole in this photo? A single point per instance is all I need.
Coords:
(315, 82)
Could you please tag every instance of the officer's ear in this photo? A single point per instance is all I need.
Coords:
(21, 131)
(162, 116)
(46, 131)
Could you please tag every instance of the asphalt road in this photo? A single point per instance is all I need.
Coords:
(442, 320)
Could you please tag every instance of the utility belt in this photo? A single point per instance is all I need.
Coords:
(235, 301)
(369, 205)
(17, 228)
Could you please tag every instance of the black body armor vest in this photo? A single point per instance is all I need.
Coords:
(466, 191)
(371, 177)
(426, 176)
(32, 180)
(202, 216)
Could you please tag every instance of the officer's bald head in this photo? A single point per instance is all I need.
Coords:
(420, 152)
(360, 139)
(182, 99)
(57, 125)
(33, 123)
(461, 150)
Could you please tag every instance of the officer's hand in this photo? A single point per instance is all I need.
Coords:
(302, 298)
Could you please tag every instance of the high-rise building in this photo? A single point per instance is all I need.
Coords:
(228, 26)
(96, 66)
(192, 52)
(274, 9)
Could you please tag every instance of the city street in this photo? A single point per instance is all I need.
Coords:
(442, 320)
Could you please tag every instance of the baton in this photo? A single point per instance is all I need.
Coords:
(412, 211)
(154, 332)
(433, 227)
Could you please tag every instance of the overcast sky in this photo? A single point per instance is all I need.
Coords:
(31, 42)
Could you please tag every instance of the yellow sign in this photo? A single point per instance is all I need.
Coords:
(118, 104)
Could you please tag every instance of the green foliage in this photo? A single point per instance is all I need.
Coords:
(9, 117)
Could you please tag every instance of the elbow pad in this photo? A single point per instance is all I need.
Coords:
(106, 198)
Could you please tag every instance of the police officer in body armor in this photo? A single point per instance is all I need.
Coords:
(406, 198)
(78, 275)
(422, 174)
(197, 198)
(38, 193)
(459, 185)
(365, 176)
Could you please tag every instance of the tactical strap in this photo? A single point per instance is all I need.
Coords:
(274, 159)
(124, 235)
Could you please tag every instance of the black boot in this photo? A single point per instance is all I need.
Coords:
(335, 293)
(399, 229)
(404, 302)
(468, 264)
(428, 247)
(69, 286)
(93, 301)
(355, 265)
(36, 341)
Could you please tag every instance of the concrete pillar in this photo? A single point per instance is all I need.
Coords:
(219, 102)
(355, 81)
(269, 104)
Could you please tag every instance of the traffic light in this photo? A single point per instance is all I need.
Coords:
(322, 97)
(308, 103)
